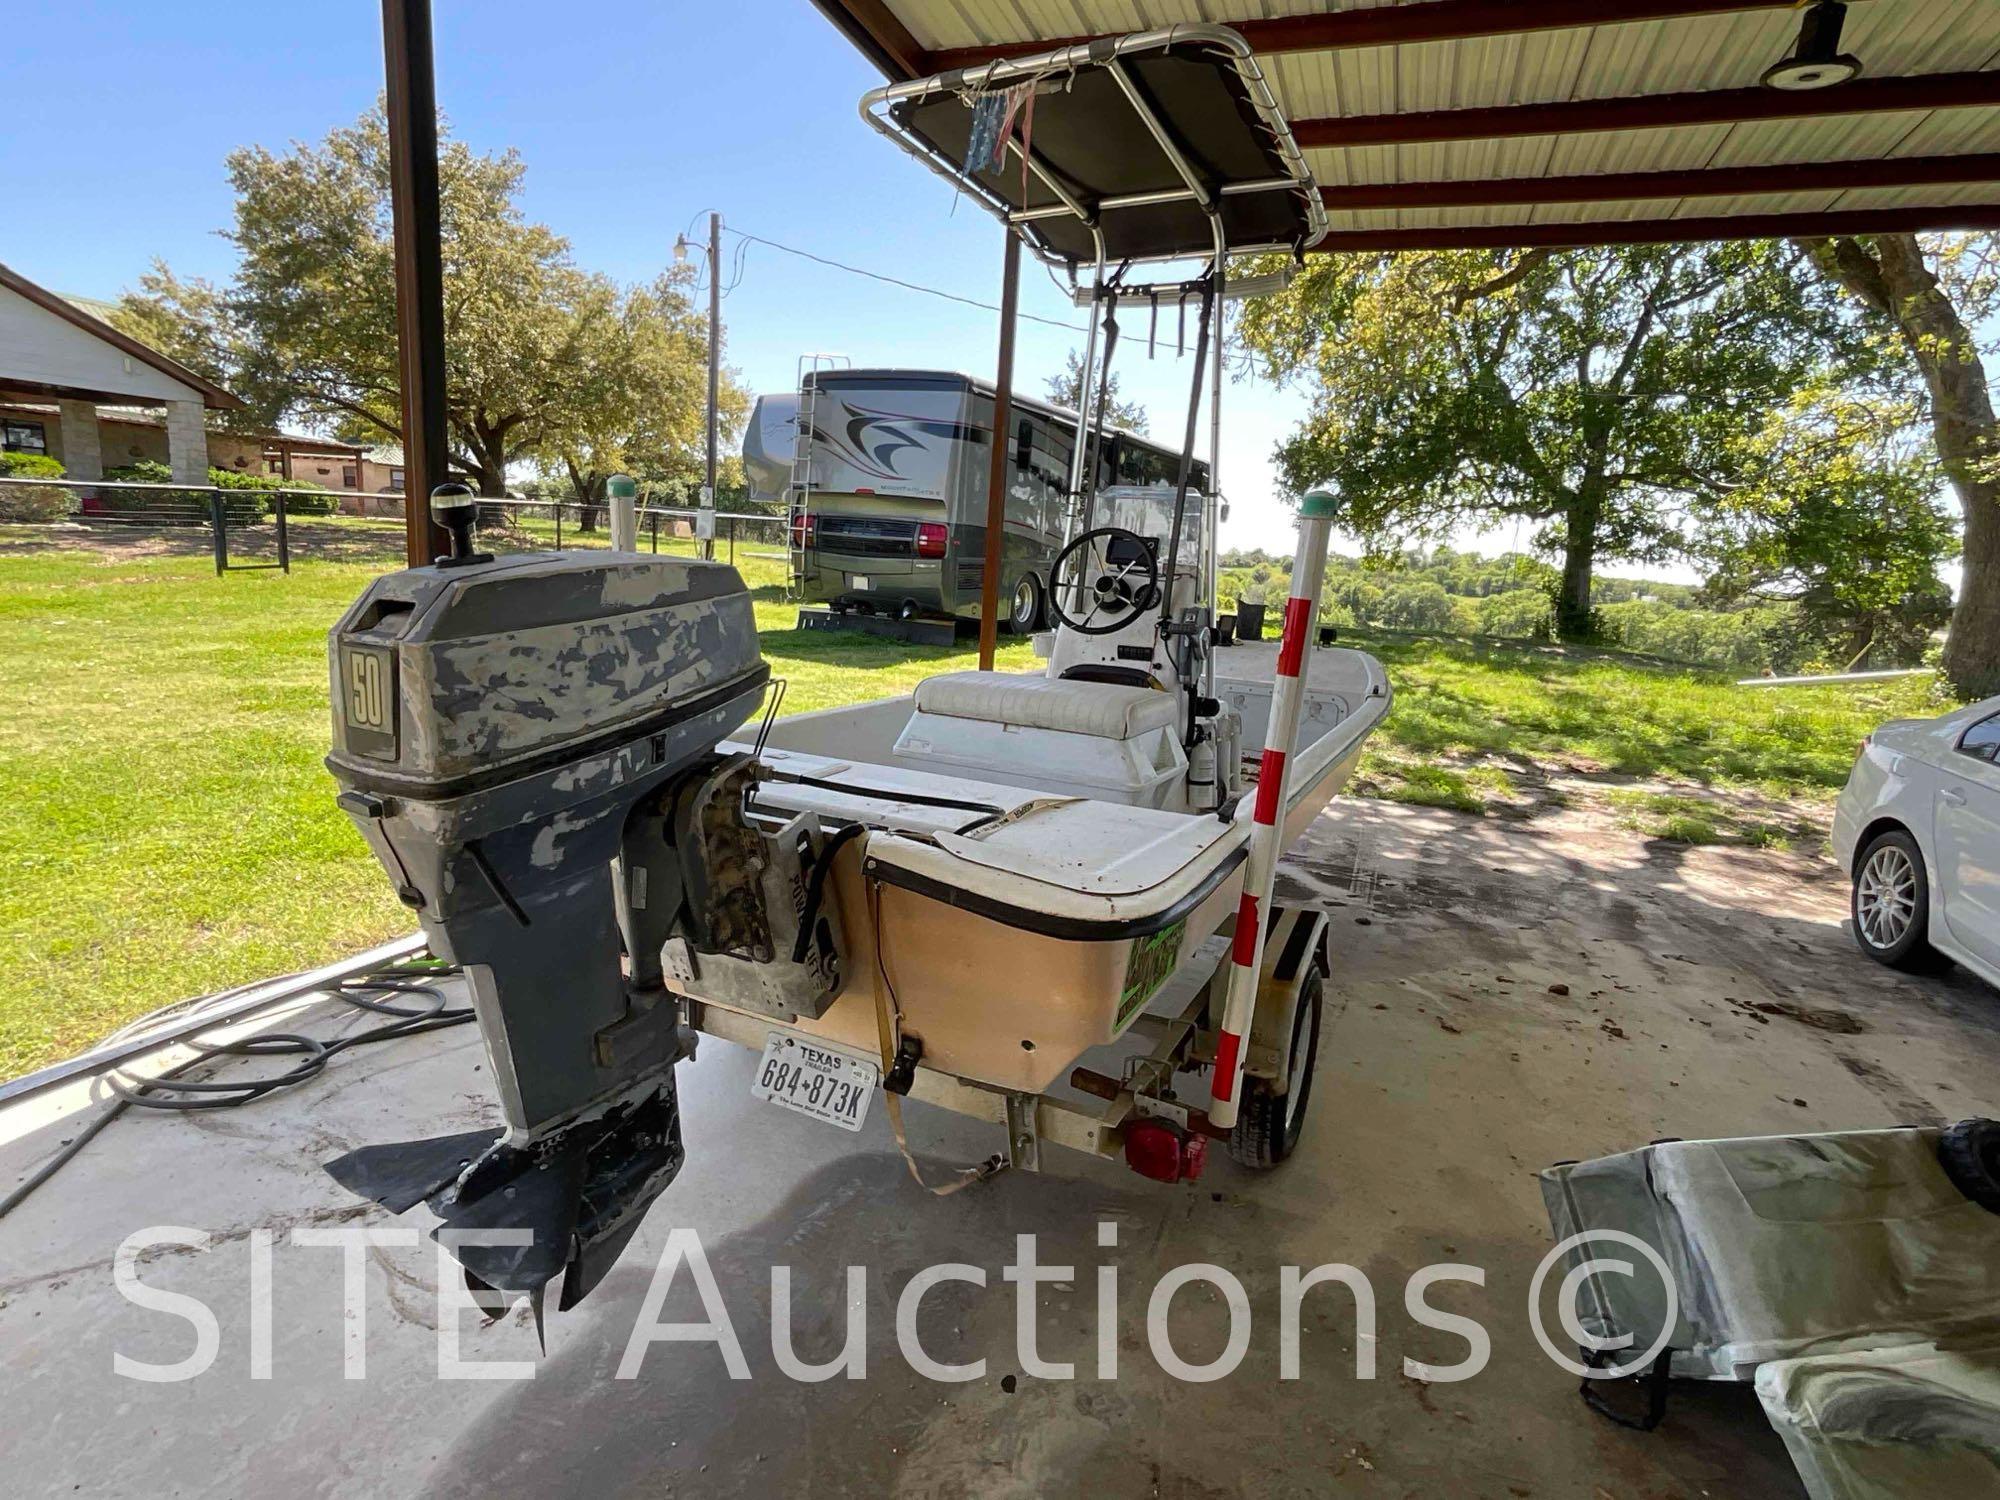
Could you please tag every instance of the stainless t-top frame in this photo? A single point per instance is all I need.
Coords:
(1108, 55)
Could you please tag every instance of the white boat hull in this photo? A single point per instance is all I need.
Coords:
(1011, 955)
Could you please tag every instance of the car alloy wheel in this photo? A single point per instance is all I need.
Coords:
(1886, 901)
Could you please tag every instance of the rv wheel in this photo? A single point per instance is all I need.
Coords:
(1026, 616)
(1268, 1124)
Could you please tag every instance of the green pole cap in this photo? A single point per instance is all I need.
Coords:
(1318, 503)
(621, 487)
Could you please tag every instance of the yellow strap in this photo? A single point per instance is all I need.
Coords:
(888, 1030)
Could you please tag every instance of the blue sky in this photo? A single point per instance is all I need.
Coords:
(634, 119)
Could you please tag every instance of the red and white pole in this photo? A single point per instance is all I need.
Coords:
(1246, 957)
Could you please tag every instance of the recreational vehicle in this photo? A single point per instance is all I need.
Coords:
(886, 479)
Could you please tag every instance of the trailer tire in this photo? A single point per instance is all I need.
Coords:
(1025, 616)
(1268, 1124)
(1970, 1155)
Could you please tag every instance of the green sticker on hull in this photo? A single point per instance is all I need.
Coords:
(1152, 960)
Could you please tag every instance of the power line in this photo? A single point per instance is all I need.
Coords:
(912, 286)
(736, 268)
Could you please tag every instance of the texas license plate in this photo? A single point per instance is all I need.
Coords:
(859, 581)
(816, 1080)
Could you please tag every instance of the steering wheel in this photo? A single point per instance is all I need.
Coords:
(1116, 593)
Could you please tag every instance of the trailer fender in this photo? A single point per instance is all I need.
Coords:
(1297, 943)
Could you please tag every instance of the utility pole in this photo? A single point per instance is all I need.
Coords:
(705, 526)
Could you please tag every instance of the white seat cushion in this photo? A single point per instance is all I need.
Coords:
(1103, 710)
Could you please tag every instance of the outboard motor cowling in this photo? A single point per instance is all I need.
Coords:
(500, 728)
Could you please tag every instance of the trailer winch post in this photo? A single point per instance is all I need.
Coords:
(1246, 954)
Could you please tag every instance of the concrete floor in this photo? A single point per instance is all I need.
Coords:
(1709, 992)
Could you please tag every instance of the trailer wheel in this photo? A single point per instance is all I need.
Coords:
(1267, 1123)
(1026, 615)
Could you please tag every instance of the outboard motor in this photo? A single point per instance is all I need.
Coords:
(505, 734)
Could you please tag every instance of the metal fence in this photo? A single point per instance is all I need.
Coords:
(263, 524)
(231, 517)
(568, 524)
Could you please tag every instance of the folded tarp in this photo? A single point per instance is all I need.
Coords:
(1784, 1246)
(1890, 1424)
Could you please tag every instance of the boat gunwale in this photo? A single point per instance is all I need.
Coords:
(1057, 924)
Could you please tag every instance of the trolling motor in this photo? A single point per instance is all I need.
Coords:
(510, 736)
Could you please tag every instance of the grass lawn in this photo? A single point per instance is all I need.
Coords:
(169, 828)
(1474, 720)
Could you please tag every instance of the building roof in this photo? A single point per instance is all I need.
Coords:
(97, 307)
(147, 416)
(1433, 123)
(299, 443)
(213, 396)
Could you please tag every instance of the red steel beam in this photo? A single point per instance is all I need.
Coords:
(1714, 107)
(1707, 182)
(1665, 231)
(1388, 26)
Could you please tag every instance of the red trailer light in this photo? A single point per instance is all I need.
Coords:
(1163, 1151)
(803, 529)
(931, 539)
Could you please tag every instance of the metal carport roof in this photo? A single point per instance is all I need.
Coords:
(1432, 123)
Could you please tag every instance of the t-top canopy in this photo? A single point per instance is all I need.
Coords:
(1493, 123)
(1160, 145)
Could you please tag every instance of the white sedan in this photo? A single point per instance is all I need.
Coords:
(1918, 830)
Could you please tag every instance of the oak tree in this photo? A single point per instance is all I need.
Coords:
(1932, 295)
(1066, 389)
(305, 330)
(1603, 395)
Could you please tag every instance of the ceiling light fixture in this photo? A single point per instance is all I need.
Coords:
(1817, 61)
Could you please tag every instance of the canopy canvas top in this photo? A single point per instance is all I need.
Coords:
(1501, 123)
(1148, 147)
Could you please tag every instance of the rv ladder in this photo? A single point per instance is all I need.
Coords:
(799, 490)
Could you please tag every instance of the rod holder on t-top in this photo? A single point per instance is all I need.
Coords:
(1209, 285)
(1091, 417)
(1093, 413)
